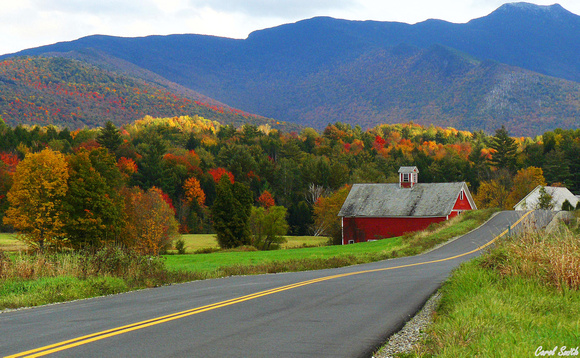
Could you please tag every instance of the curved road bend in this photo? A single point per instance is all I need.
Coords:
(344, 312)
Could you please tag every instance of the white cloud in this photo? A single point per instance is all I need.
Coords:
(274, 8)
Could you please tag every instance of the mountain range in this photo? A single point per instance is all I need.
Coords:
(518, 67)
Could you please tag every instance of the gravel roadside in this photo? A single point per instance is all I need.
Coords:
(413, 331)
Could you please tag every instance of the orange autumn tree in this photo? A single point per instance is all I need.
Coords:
(36, 198)
(151, 226)
(127, 167)
(193, 192)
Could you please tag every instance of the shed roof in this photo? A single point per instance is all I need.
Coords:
(408, 170)
(387, 200)
(559, 195)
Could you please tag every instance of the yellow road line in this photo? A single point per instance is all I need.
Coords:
(57, 347)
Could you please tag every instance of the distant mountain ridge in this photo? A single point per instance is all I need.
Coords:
(323, 70)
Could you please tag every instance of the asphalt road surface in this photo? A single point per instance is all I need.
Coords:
(344, 312)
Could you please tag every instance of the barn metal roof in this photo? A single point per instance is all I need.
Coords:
(386, 200)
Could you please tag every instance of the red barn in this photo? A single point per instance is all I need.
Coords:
(378, 211)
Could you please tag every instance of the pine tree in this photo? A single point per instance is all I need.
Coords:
(93, 204)
(505, 149)
(110, 137)
(231, 212)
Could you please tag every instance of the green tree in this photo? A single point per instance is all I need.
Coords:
(268, 227)
(545, 201)
(505, 149)
(93, 203)
(110, 137)
(567, 206)
(36, 198)
(230, 213)
(151, 171)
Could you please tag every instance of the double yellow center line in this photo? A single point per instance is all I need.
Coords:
(57, 347)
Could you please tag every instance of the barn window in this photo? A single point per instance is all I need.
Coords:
(461, 195)
(351, 241)
(406, 177)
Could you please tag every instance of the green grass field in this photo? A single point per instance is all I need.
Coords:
(30, 280)
(213, 261)
(8, 242)
(194, 242)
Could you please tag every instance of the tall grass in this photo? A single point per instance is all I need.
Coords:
(554, 259)
(34, 279)
(523, 294)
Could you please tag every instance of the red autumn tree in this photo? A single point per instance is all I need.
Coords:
(218, 172)
(266, 200)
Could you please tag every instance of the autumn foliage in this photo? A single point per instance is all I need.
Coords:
(217, 174)
(187, 158)
(266, 200)
(151, 225)
(193, 192)
(36, 199)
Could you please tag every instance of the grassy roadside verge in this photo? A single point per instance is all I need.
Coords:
(524, 294)
(29, 280)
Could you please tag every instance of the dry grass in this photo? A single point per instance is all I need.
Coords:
(553, 258)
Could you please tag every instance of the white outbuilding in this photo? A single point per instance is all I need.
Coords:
(559, 196)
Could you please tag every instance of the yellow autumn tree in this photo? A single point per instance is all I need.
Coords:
(525, 181)
(39, 186)
(326, 219)
(492, 194)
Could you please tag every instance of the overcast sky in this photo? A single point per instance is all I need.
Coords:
(31, 23)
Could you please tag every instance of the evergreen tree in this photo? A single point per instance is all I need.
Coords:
(505, 149)
(110, 137)
(93, 204)
(231, 212)
(545, 201)
(150, 167)
(566, 206)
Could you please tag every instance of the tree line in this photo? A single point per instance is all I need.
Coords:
(203, 177)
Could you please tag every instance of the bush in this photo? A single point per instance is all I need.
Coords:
(180, 246)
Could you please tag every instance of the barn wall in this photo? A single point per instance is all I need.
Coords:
(462, 204)
(365, 229)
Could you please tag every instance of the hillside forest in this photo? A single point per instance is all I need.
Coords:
(142, 183)
(73, 94)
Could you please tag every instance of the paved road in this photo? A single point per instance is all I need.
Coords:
(343, 312)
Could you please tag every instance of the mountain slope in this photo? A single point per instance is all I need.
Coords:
(435, 86)
(304, 72)
(69, 93)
